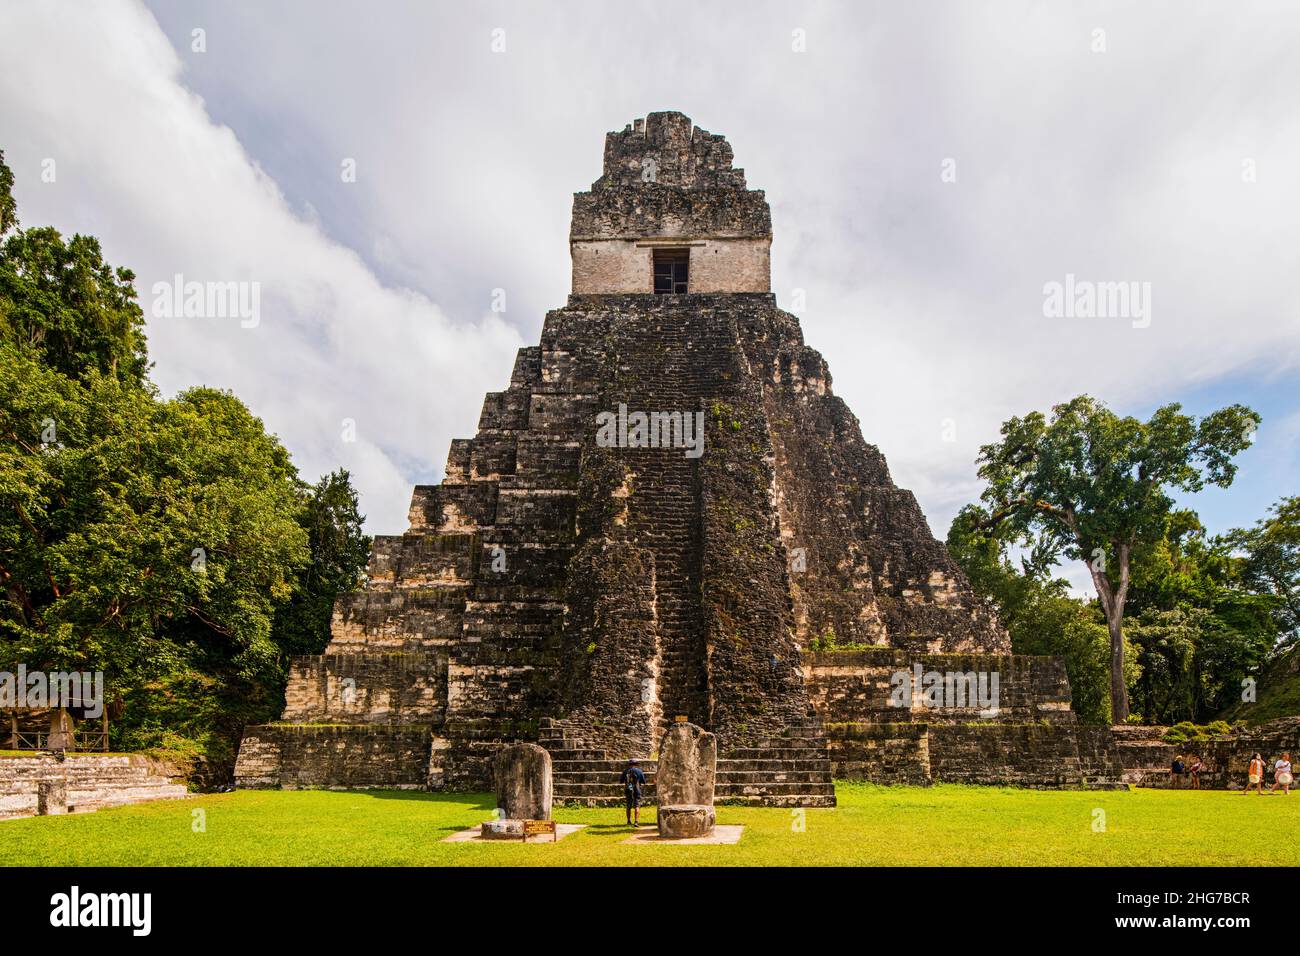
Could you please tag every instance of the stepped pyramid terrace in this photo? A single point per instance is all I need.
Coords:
(659, 518)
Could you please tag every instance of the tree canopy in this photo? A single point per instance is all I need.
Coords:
(63, 302)
(1090, 485)
(168, 543)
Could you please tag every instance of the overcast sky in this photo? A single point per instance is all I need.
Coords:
(1151, 143)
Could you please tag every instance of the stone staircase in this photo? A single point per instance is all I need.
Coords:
(585, 775)
(793, 770)
(666, 507)
(788, 771)
(82, 783)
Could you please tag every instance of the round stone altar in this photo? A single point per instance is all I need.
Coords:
(502, 830)
(683, 821)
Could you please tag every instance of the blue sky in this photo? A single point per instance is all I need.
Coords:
(1268, 470)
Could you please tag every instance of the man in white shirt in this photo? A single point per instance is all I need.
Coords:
(1282, 774)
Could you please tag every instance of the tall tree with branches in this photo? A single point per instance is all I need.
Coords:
(1089, 485)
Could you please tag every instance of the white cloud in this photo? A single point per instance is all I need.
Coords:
(925, 296)
(140, 163)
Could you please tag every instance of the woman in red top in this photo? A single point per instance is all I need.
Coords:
(1255, 775)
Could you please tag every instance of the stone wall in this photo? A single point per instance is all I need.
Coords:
(1022, 755)
(382, 688)
(1032, 739)
(716, 265)
(333, 756)
(1143, 754)
(856, 686)
(79, 783)
(610, 688)
(1146, 756)
(1041, 755)
(667, 182)
(756, 682)
(884, 753)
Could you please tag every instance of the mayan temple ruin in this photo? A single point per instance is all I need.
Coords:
(667, 514)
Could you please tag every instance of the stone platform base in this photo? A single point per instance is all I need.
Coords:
(685, 821)
(42, 784)
(333, 757)
(475, 835)
(502, 830)
(720, 835)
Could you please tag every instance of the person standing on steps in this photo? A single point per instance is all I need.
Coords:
(633, 780)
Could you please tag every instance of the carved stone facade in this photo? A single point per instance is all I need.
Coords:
(586, 592)
(670, 184)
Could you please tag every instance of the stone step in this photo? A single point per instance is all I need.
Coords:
(735, 778)
(120, 796)
(780, 800)
(572, 789)
(769, 788)
(609, 778)
(811, 738)
(558, 755)
(793, 770)
(817, 765)
(774, 753)
(585, 800)
(615, 766)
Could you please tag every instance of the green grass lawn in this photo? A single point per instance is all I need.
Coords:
(872, 826)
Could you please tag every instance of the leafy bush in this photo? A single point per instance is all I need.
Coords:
(1187, 732)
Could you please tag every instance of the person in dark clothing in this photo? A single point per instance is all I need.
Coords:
(633, 780)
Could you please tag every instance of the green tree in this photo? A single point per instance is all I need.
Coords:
(1090, 485)
(1271, 563)
(8, 206)
(1201, 625)
(1037, 611)
(339, 549)
(133, 522)
(169, 544)
(63, 302)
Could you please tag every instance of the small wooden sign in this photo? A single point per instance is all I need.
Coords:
(534, 827)
(680, 718)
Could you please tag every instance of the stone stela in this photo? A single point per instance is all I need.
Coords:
(522, 774)
(685, 782)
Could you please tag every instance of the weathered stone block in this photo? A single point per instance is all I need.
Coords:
(688, 766)
(503, 829)
(523, 782)
(682, 822)
(51, 797)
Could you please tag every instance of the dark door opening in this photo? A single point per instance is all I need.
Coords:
(671, 271)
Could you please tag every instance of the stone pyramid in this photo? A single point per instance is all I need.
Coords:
(660, 515)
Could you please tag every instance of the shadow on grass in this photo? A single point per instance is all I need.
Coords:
(623, 827)
(485, 802)
(424, 796)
